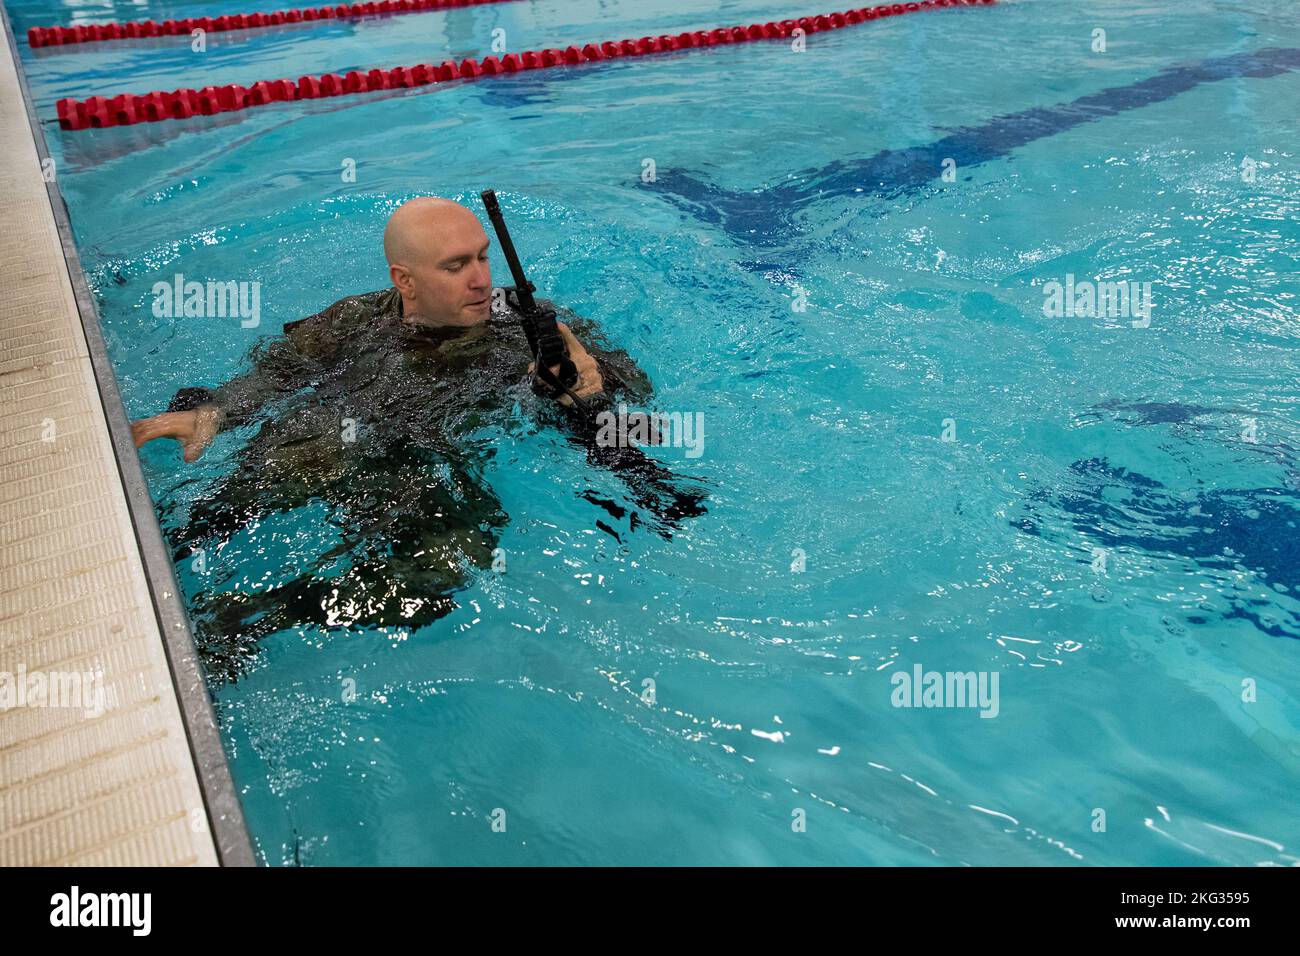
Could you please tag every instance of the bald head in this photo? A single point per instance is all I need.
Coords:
(418, 227)
(437, 258)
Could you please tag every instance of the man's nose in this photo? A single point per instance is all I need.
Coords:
(482, 276)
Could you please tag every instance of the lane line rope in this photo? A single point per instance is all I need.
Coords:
(127, 109)
(94, 32)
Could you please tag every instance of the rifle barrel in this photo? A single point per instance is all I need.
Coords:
(523, 288)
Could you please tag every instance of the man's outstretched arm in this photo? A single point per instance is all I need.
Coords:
(280, 367)
(194, 429)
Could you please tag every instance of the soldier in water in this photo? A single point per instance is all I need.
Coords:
(372, 406)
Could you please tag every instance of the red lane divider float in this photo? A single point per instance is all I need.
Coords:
(63, 36)
(128, 108)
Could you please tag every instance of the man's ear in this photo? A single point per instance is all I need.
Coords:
(402, 280)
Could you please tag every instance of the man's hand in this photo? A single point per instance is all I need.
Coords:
(194, 429)
(589, 380)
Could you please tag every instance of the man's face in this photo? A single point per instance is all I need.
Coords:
(452, 282)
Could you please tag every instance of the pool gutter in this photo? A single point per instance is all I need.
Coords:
(224, 814)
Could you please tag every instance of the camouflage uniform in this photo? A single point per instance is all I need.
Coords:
(376, 418)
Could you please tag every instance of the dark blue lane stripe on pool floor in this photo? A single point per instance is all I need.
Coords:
(763, 217)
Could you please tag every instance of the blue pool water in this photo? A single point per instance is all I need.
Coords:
(1112, 531)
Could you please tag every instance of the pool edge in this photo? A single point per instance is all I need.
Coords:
(221, 803)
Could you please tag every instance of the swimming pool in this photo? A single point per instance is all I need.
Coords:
(1099, 510)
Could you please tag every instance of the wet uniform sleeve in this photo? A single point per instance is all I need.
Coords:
(290, 362)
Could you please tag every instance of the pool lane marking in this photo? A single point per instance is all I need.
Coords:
(127, 109)
(762, 217)
(137, 29)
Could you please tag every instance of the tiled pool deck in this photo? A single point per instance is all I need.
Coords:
(88, 603)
